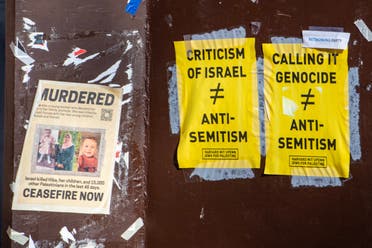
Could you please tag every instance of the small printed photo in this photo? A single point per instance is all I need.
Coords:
(87, 159)
(72, 151)
(46, 152)
(65, 150)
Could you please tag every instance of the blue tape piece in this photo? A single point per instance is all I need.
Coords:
(132, 6)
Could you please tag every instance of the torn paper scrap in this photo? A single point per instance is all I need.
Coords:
(363, 28)
(28, 23)
(325, 39)
(20, 53)
(38, 41)
(18, 237)
(132, 229)
(31, 243)
(107, 75)
(118, 149)
(66, 235)
(73, 57)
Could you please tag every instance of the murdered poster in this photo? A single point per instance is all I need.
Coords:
(68, 155)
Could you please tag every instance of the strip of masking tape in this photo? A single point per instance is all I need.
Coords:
(133, 229)
(132, 6)
(18, 237)
(363, 29)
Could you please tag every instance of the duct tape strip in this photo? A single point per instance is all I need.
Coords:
(133, 229)
(132, 6)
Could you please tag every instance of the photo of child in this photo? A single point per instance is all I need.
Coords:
(67, 151)
(46, 148)
(87, 161)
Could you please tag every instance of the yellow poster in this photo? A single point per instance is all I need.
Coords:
(218, 103)
(307, 111)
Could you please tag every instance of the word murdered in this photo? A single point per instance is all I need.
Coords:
(307, 120)
(218, 103)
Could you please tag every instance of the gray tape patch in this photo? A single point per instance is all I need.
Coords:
(355, 147)
(319, 182)
(285, 40)
(173, 100)
(211, 174)
(261, 103)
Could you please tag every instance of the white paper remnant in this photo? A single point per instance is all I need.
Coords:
(364, 29)
(325, 39)
(66, 235)
(73, 57)
(133, 229)
(20, 53)
(18, 237)
(28, 23)
(38, 41)
(31, 243)
(108, 75)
